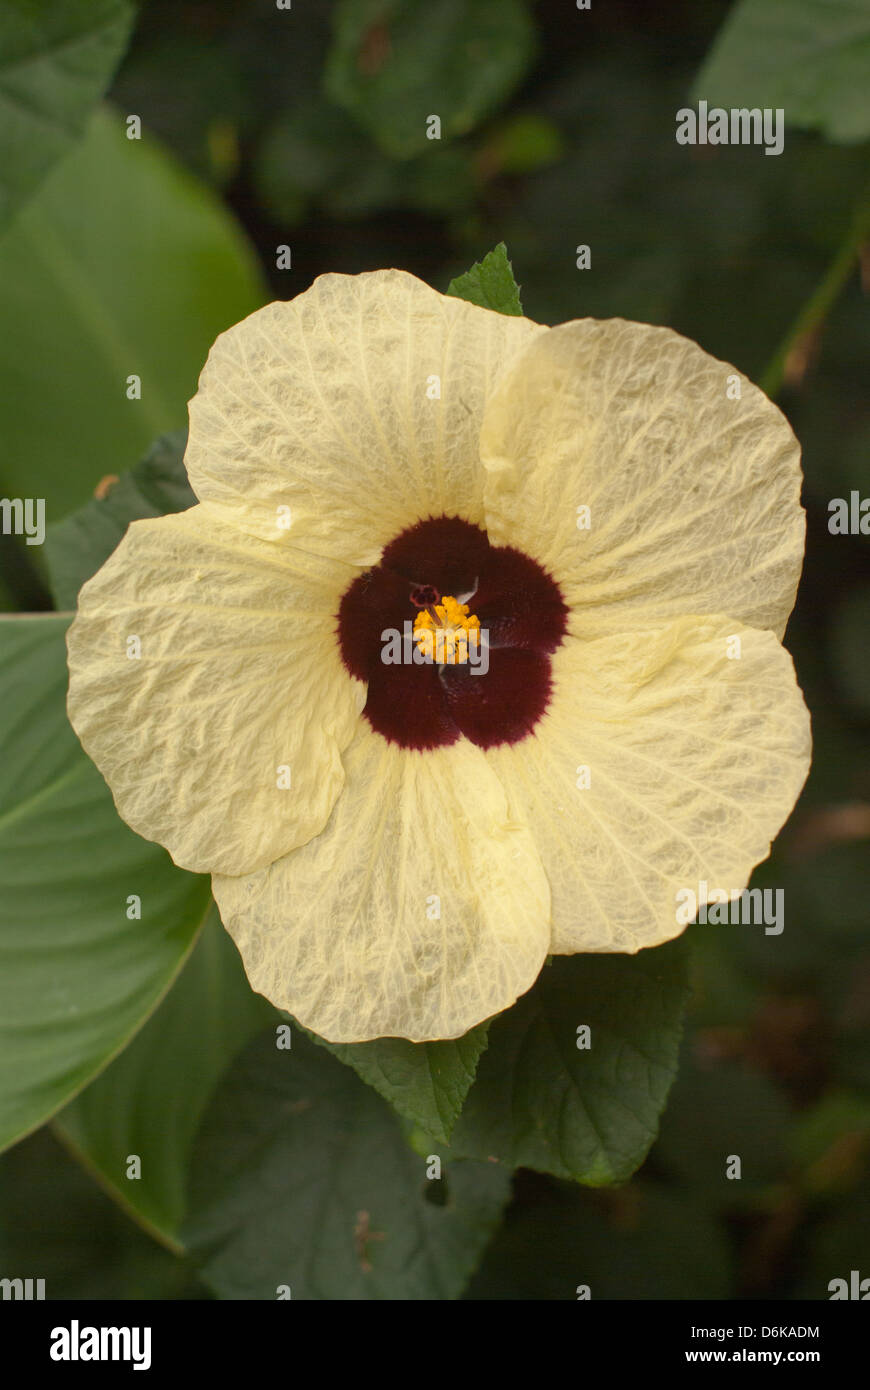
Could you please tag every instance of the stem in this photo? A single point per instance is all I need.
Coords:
(820, 302)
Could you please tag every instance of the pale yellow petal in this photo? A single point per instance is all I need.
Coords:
(222, 737)
(357, 405)
(693, 495)
(421, 910)
(693, 759)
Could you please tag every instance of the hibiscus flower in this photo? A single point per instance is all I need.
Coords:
(607, 514)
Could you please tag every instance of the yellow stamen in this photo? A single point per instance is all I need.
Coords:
(442, 631)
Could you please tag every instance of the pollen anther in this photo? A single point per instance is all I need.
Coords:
(444, 630)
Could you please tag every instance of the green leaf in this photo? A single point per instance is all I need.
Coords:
(77, 977)
(426, 1082)
(809, 57)
(123, 265)
(318, 155)
(525, 142)
(645, 1242)
(309, 151)
(302, 1177)
(717, 1109)
(56, 61)
(396, 63)
(56, 1224)
(540, 1101)
(490, 283)
(829, 1140)
(150, 1101)
(78, 546)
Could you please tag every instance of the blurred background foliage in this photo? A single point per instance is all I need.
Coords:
(306, 128)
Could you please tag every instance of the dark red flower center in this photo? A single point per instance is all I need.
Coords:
(495, 695)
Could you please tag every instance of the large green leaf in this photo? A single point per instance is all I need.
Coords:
(56, 1224)
(646, 1242)
(809, 57)
(395, 63)
(302, 1178)
(77, 976)
(716, 1111)
(149, 1102)
(590, 1114)
(490, 283)
(123, 265)
(425, 1082)
(55, 63)
(80, 544)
